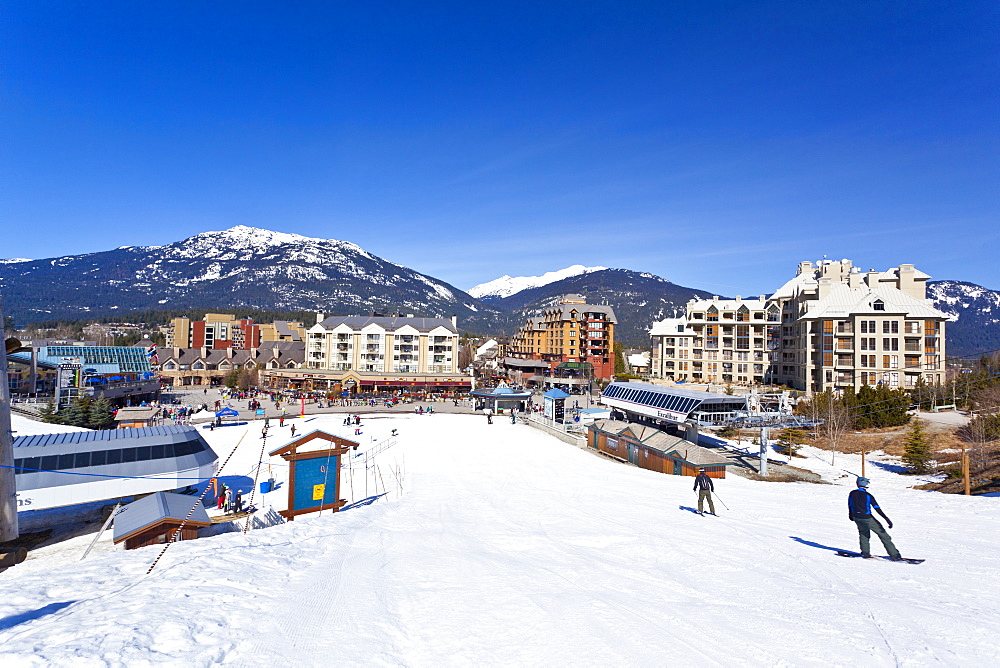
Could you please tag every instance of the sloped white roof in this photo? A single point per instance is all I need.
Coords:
(668, 326)
(638, 359)
(843, 301)
(728, 304)
(795, 285)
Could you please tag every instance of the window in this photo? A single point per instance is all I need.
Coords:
(878, 305)
(890, 344)
(890, 327)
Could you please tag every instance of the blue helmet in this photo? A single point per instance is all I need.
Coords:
(863, 482)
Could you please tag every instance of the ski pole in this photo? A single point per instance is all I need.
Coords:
(722, 502)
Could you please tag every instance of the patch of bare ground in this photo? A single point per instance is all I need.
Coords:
(778, 472)
(946, 448)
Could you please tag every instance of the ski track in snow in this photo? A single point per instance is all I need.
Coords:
(509, 547)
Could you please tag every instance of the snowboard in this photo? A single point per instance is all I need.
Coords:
(842, 553)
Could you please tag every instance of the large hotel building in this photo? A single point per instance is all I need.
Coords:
(570, 332)
(831, 326)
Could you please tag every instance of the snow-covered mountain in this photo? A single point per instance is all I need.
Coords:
(974, 312)
(242, 267)
(505, 286)
(14, 260)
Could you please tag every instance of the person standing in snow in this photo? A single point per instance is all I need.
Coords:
(222, 497)
(860, 504)
(704, 486)
(238, 503)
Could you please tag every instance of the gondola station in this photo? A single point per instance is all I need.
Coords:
(313, 474)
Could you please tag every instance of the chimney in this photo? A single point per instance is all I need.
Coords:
(320, 317)
(824, 285)
(854, 279)
(454, 321)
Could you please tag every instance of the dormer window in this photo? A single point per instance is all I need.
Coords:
(878, 305)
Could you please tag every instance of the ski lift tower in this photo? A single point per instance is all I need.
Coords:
(772, 419)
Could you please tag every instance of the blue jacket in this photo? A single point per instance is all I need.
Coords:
(860, 504)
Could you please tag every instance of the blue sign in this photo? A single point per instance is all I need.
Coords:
(259, 411)
(315, 482)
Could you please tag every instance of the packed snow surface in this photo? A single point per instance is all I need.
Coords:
(509, 547)
(505, 286)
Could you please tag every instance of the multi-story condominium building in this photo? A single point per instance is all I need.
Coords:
(720, 341)
(222, 330)
(571, 332)
(831, 326)
(377, 353)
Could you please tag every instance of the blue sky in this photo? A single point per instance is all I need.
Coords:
(715, 144)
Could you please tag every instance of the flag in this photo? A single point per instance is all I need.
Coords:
(151, 354)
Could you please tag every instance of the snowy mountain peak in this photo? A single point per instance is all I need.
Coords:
(14, 260)
(506, 286)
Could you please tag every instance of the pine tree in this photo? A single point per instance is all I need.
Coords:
(49, 414)
(101, 415)
(917, 449)
(77, 413)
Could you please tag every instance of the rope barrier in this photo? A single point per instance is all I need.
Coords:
(201, 498)
(253, 490)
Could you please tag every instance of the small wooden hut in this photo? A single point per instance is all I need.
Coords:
(313, 475)
(137, 416)
(652, 449)
(153, 519)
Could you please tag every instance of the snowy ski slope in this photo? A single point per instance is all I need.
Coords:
(509, 547)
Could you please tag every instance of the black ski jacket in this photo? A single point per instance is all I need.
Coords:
(702, 481)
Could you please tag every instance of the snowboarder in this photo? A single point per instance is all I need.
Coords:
(704, 486)
(860, 503)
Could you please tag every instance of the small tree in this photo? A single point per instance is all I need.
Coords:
(917, 449)
(789, 440)
(101, 415)
(232, 379)
(49, 414)
(77, 413)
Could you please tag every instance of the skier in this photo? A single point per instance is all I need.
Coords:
(860, 503)
(704, 486)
